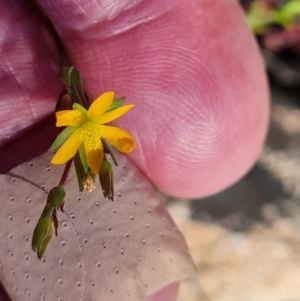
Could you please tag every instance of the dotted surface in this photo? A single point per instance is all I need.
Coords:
(113, 251)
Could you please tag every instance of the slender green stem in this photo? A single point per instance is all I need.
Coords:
(65, 173)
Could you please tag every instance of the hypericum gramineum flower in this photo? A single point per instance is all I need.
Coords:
(88, 127)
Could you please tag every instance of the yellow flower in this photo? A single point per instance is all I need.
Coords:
(89, 127)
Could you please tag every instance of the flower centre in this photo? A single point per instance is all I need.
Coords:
(91, 135)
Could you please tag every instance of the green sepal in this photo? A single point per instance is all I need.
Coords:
(106, 178)
(83, 157)
(108, 150)
(79, 107)
(42, 235)
(56, 196)
(115, 104)
(62, 137)
(80, 172)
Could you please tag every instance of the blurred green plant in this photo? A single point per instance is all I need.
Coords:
(276, 24)
(261, 14)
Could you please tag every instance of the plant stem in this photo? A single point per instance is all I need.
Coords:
(65, 173)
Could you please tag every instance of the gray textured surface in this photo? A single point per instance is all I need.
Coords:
(121, 250)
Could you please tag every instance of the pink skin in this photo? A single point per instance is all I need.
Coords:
(191, 68)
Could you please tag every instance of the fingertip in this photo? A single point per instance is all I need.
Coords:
(167, 293)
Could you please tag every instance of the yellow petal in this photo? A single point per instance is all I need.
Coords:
(68, 149)
(114, 114)
(94, 157)
(120, 139)
(100, 105)
(69, 118)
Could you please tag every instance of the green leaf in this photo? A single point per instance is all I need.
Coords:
(116, 103)
(80, 172)
(62, 137)
(108, 150)
(83, 157)
(106, 179)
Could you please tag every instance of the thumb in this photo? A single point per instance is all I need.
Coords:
(194, 72)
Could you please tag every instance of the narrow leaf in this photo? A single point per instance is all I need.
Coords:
(62, 137)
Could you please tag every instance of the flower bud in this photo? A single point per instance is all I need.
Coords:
(107, 179)
(42, 235)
